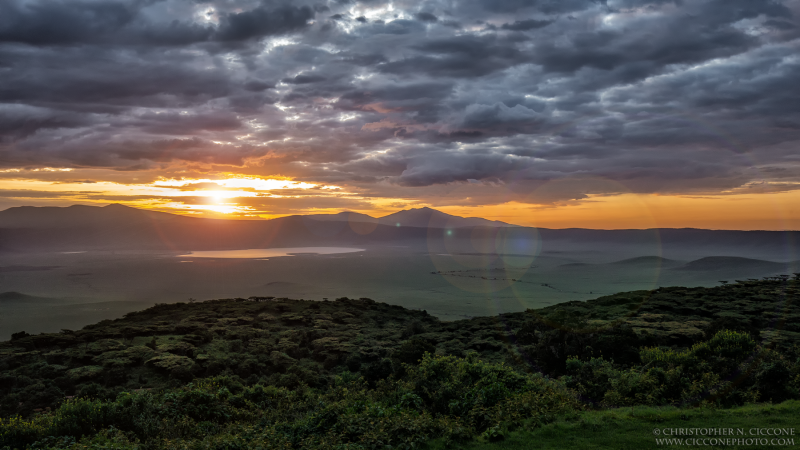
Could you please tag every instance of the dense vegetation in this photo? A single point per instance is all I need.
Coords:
(279, 373)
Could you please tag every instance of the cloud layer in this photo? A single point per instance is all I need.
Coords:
(396, 99)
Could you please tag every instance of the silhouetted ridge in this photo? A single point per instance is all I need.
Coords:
(646, 260)
(731, 263)
(637, 261)
(87, 228)
(428, 217)
(344, 216)
(14, 296)
(82, 216)
(26, 268)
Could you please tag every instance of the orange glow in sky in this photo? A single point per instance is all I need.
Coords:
(773, 211)
(238, 196)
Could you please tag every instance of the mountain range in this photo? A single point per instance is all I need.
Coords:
(415, 217)
(116, 226)
(116, 214)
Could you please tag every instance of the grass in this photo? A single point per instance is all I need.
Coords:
(632, 428)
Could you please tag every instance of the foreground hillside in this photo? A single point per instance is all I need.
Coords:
(281, 373)
(633, 429)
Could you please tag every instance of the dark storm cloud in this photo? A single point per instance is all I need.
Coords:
(426, 17)
(525, 25)
(105, 79)
(545, 6)
(399, 98)
(303, 79)
(20, 121)
(262, 21)
(490, 116)
(458, 56)
(62, 22)
(59, 22)
(457, 167)
(400, 26)
(186, 124)
(423, 100)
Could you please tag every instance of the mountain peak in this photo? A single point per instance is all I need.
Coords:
(428, 217)
(81, 216)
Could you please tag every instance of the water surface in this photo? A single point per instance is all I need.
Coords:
(270, 252)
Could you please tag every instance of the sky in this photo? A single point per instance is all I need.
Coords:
(551, 113)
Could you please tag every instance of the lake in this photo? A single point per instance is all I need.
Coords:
(270, 252)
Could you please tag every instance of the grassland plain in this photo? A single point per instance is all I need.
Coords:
(355, 373)
(633, 429)
(78, 289)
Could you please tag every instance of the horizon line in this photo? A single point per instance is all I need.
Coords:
(255, 219)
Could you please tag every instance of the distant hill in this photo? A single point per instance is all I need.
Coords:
(83, 216)
(415, 217)
(26, 268)
(694, 237)
(344, 216)
(18, 297)
(427, 217)
(647, 261)
(118, 227)
(731, 263)
(640, 261)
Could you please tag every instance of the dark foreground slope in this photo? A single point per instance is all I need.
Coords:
(313, 374)
(632, 429)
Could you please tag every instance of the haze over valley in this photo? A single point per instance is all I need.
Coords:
(68, 267)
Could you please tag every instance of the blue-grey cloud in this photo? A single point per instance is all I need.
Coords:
(403, 98)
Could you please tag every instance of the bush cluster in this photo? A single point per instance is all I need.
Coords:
(729, 369)
(442, 397)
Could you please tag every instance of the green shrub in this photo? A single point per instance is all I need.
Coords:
(724, 350)
(729, 369)
(412, 350)
(442, 397)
